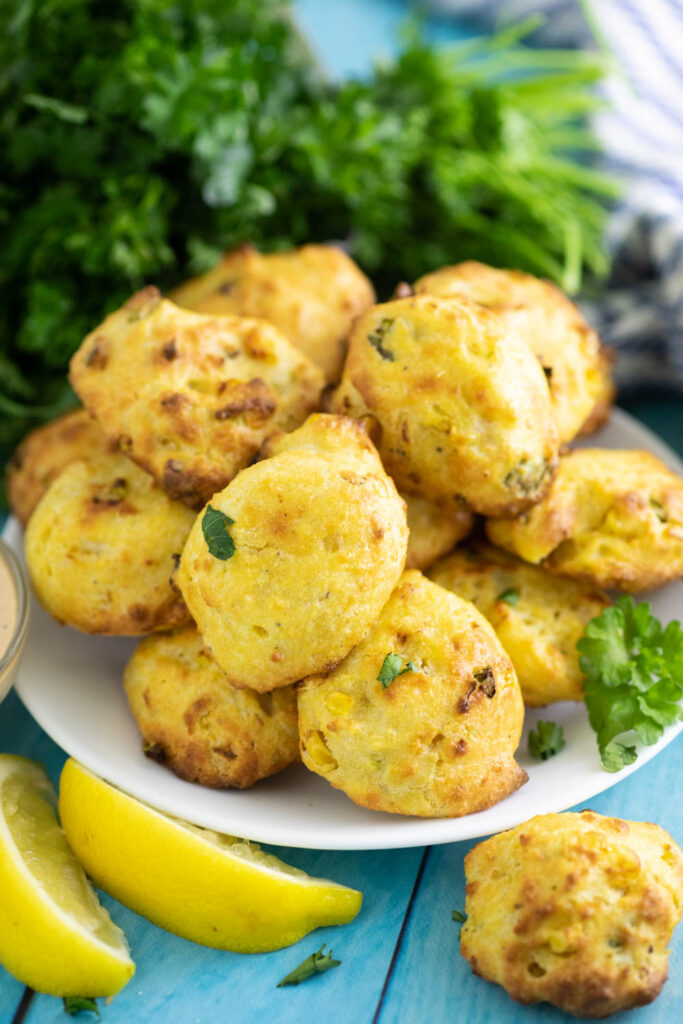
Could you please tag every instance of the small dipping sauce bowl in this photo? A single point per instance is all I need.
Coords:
(14, 615)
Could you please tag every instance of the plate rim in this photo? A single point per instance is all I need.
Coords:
(409, 831)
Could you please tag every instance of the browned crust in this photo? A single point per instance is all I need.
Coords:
(235, 764)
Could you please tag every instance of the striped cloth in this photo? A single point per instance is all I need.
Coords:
(641, 312)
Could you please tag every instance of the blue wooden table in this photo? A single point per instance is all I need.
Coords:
(400, 959)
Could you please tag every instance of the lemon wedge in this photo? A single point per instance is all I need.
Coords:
(214, 889)
(54, 935)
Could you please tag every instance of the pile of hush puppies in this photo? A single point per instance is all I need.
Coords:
(266, 465)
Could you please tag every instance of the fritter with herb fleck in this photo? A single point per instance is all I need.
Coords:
(312, 294)
(198, 725)
(612, 518)
(290, 565)
(101, 547)
(538, 617)
(463, 405)
(575, 910)
(576, 365)
(191, 397)
(424, 716)
(45, 452)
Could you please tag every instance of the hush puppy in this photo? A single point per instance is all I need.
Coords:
(612, 518)
(45, 452)
(424, 716)
(101, 547)
(538, 617)
(198, 725)
(568, 349)
(317, 541)
(463, 405)
(311, 294)
(188, 397)
(433, 530)
(575, 910)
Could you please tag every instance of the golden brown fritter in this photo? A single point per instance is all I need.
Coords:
(575, 910)
(45, 452)
(198, 725)
(189, 397)
(101, 546)
(437, 741)
(311, 294)
(538, 617)
(433, 530)
(612, 518)
(463, 406)
(569, 350)
(320, 539)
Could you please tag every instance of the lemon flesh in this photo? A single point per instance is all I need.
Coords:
(214, 889)
(54, 935)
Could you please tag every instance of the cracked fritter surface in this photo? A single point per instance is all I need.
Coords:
(45, 452)
(198, 725)
(574, 909)
(439, 740)
(320, 538)
(101, 547)
(191, 397)
(576, 364)
(538, 617)
(313, 294)
(462, 403)
(612, 518)
(433, 529)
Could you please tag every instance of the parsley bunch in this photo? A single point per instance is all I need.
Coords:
(142, 137)
(634, 678)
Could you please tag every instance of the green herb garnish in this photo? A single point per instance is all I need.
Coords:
(316, 963)
(634, 678)
(458, 916)
(215, 529)
(510, 596)
(80, 1004)
(392, 668)
(546, 740)
(157, 134)
(376, 339)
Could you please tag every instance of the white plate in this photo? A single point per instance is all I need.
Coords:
(71, 684)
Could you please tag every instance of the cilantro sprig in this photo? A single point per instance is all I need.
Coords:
(546, 740)
(634, 678)
(316, 963)
(392, 668)
(509, 596)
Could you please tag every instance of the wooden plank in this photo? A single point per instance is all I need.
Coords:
(183, 983)
(432, 984)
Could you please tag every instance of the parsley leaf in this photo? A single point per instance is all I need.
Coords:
(458, 916)
(80, 1004)
(634, 678)
(510, 596)
(316, 963)
(391, 669)
(215, 529)
(546, 740)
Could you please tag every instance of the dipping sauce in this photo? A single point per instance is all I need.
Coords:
(13, 618)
